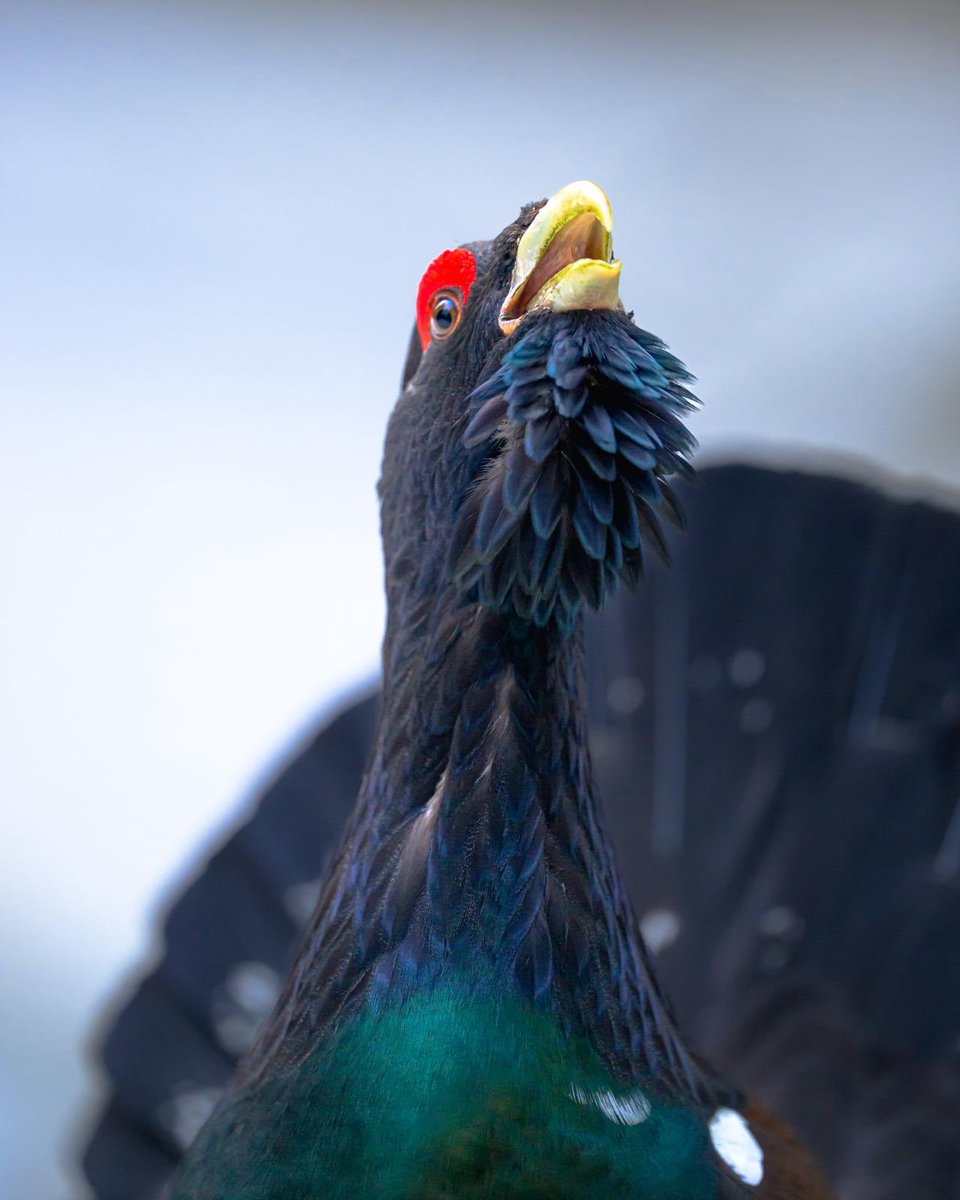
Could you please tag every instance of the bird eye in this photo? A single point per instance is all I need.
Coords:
(445, 315)
(443, 293)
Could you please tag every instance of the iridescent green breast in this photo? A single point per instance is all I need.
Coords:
(453, 1097)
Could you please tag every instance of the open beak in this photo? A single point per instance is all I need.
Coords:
(564, 258)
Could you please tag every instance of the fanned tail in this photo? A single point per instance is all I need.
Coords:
(779, 747)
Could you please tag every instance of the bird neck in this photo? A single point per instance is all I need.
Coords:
(481, 797)
(475, 862)
(469, 689)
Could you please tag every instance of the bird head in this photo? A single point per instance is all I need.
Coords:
(538, 424)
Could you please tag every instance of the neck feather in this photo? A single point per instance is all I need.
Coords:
(477, 852)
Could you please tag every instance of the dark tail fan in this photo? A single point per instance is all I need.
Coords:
(776, 734)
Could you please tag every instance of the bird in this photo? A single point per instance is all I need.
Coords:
(514, 846)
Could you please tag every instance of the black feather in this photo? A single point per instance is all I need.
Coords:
(608, 379)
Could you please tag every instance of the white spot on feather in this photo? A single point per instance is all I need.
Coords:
(630, 1109)
(185, 1113)
(660, 928)
(254, 987)
(240, 1007)
(300, 899)
(736, 1145)
(781, 922)
(746, 667)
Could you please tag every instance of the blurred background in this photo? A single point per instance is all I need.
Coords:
(214, 217)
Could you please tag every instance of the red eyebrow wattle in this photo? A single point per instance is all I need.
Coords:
(451, 269)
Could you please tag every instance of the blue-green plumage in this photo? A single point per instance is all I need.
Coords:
(452, 1095)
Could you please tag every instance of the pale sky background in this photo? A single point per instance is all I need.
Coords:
(213, 217)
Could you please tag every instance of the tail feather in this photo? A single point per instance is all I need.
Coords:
(788, 815)
(126, 1159)
(813, 756)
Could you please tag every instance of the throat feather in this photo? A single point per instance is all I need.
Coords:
(477, 852)
(505, 875)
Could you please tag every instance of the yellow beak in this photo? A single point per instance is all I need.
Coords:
(564, 258)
